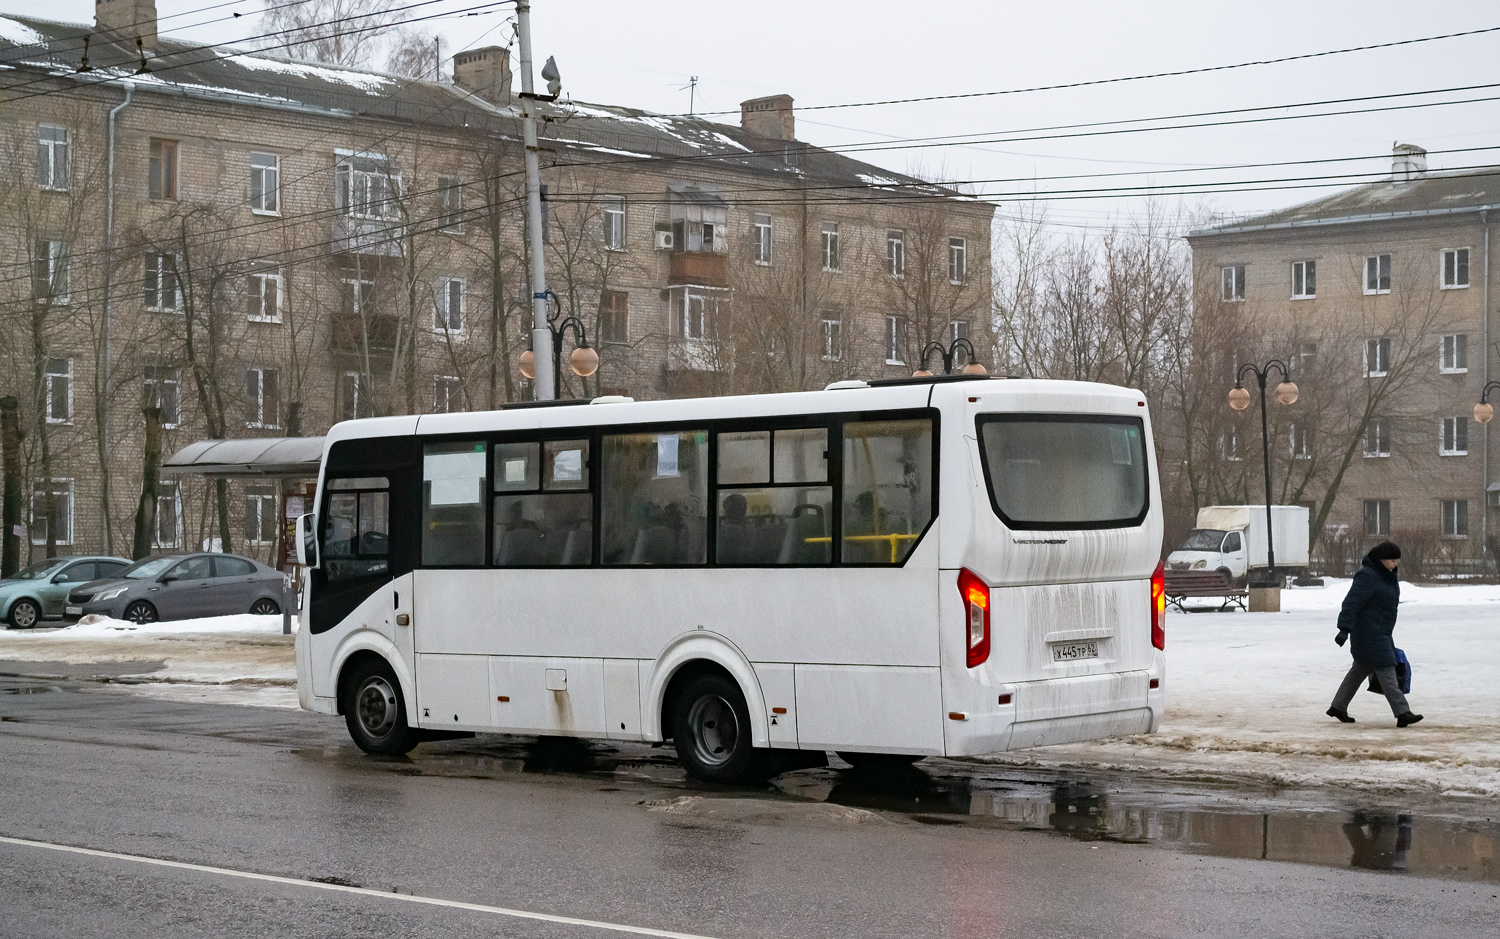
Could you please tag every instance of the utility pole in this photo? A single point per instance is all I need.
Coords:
(541, 330)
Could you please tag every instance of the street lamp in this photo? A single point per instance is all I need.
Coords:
(947, 353)
(1484, 412)
(1239, 399)
(584, 361)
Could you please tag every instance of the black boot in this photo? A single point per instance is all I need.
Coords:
(1341, 715)
(1407, 719)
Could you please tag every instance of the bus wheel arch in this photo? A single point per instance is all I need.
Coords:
(693, 655)
(362, 645)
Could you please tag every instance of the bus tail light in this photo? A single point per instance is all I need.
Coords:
(1159, 607)
(976, 594)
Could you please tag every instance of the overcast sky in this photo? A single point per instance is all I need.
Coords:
(641, 54)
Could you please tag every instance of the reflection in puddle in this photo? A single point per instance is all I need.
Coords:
(1367, 839)
(30, 689)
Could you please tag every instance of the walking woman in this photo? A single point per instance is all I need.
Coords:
(1369, 617)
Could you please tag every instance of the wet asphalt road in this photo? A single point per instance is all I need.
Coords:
(568, 830)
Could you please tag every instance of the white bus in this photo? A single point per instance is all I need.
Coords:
(886, 570)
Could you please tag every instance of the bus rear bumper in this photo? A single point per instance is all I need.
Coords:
(1056, 711)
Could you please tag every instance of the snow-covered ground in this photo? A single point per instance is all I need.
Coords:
(1246, 694)
(241, 659)
(1245, 691)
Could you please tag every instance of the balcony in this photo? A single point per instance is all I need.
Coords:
(368, 236)
(699, 268)
(350, 331)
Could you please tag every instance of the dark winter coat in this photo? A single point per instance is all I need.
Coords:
(1369, 615)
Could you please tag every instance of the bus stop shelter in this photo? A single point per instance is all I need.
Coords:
(293, 461)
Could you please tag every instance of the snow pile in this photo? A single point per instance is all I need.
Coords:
(95, 626)
(1246, 694)
(19, 33)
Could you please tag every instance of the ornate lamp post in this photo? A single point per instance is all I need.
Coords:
(584, 361)
(1239, 399)
(1484, 412)
(947, 353)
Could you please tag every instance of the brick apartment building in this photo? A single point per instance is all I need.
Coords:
(262, 248)
(1380, 299)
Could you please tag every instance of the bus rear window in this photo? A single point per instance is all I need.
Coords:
(1065, 472)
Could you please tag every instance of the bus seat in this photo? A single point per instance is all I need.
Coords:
(523, 547)
(578, 549)
(734, 541)
(655, 544)
(806, 522)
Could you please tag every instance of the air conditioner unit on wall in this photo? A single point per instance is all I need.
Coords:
(664, 241)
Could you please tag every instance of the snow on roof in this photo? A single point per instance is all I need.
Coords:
(19, 33)
(365, 81)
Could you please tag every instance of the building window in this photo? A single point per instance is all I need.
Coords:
(614, 223)
(1232, 282)
(895, 340)
(1304, 280)
(1299, 439)
(760, 239)
(1453, 439)
(1377, 438)
(449, 316)
(58, 376)
(162, 292)
(352, 399)
(51, 271)
(1377, 518)
(958, 260)
(265, 184)
(162, 174)
(52, 157)
(447, 394)
(1229, 444)
(168, 531)
(265, 298)
(1377, 357)
(358, 297)
(366, 187)
(694, 312)
(895, 254)
(162, 390)
(1378, 274)
(831, 339)
(262, 397)
(1455, 268)
(261, 526)
(831, 246)
(614, 316)
(1306, 358)
(1455, 518)
(450, 203)
(56, 518)
(958, 329)
(1453, 354)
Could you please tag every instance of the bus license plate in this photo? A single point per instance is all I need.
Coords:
(1073, 651)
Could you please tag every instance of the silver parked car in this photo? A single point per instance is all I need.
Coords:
(181, 586)
(36, 593)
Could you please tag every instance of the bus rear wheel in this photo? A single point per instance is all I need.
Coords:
(374, 711)
(711, 730)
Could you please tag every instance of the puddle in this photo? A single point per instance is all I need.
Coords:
(30, 689)
(1223, 823)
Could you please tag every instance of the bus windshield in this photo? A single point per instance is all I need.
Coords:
(1065, 473)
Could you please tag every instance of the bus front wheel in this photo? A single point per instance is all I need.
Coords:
(711, 729)
(375, 712)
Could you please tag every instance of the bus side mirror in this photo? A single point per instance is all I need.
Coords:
(307, 542)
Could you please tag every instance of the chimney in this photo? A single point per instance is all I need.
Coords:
(1408, 162)
(485, 72)
(130, 19)
(768, 117)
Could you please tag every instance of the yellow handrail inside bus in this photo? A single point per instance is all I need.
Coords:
(893, 539)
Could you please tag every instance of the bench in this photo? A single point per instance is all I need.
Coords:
(1183, 585)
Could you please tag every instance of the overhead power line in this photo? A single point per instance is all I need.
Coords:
(1133, 78)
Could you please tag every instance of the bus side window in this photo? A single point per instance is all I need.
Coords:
(356, 540)
(453, 486)
(655, 498)
(781, 521)
(888, 489)
(544, 513)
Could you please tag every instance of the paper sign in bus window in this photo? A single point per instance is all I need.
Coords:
(666, 455)
(455, 478)
(567, 466)
(515, 471)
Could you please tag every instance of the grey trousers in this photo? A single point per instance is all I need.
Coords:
(1386, 677)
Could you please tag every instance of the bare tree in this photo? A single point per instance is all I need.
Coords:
(343, 33)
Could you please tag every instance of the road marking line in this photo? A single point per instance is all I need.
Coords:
(364, 891)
